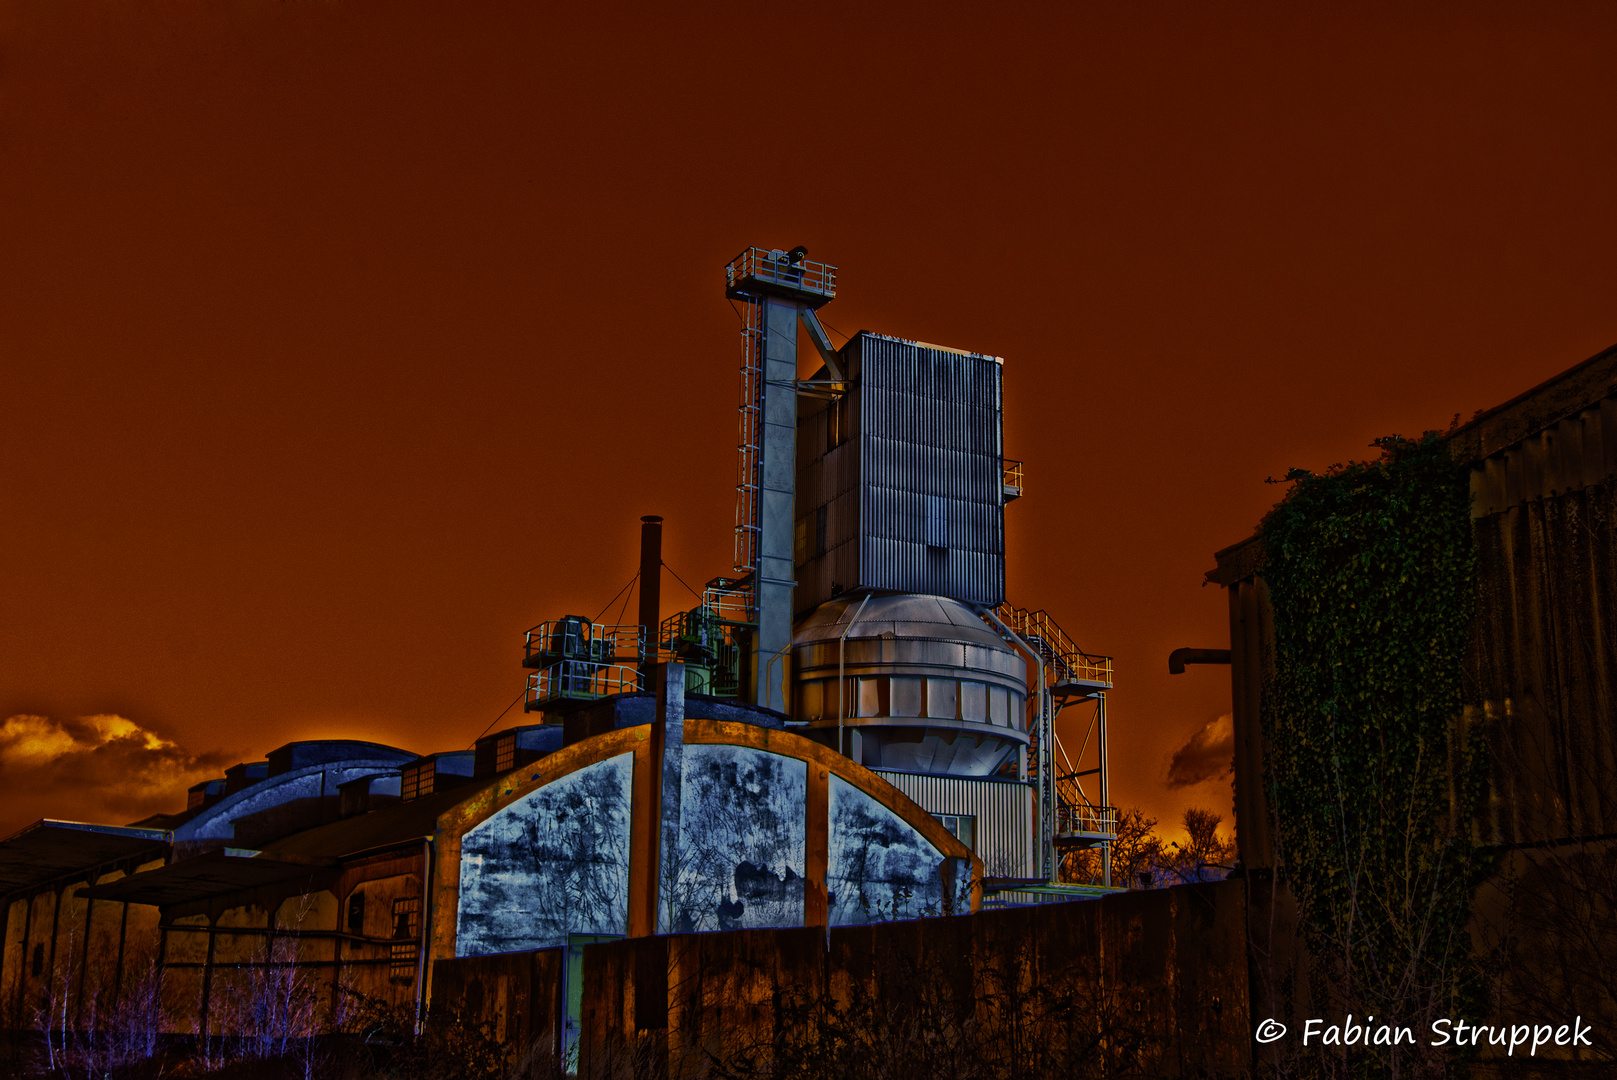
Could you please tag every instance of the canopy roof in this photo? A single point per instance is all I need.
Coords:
(49, 849)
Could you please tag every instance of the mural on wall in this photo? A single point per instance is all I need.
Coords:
(553, 863)
(878, 867)
(741, 842)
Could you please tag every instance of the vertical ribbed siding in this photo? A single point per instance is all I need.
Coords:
(922, 426)
(929, 427)
(1003, 812)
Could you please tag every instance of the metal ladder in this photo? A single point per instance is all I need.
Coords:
(749, 446)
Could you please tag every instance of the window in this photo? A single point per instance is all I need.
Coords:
(962, 827)
(356, 912)
(819, 531)
(870, 695)
(505, 753)
(974, 702)
(935, 514)
(811, 699)
(416, 781)
(406, 935)
(834, 433)
(999, 706)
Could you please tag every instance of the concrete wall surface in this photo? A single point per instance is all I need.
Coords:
(1154, 981)
(518, 995)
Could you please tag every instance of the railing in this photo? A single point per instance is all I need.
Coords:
(731, 600)
(577, 639)
(706, 636)
(779, 268)
(1081, 820)
(1011, 479)
(693, 636)
(1069, 663)
(573, 680)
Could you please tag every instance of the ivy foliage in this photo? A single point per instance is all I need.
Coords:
(1370, 568)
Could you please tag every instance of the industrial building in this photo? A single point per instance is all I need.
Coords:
(1539, 665)
(1540, 682)
(852, 726)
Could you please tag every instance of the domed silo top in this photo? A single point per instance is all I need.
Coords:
(928, 684)
(906, 629)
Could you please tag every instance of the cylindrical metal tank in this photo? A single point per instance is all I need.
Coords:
(926, 686)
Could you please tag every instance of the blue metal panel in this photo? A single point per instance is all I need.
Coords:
(929, 436)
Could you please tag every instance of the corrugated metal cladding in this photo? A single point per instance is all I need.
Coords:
(1542, 674)
(1003, 813)
(900, 484)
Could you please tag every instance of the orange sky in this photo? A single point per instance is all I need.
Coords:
(342, 341)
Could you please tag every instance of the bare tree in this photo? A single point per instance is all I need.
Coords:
(1205, 857)
(51, 1016)
(1143, 860)
(273, 1012)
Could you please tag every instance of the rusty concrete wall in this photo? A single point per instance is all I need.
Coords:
(218, 956)
(369, 931)
(518, 995)
(1277, 962)
(201, 958)
(1169, 965)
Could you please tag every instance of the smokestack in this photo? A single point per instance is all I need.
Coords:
(651, 579)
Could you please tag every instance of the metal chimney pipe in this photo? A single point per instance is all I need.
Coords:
(651, 580)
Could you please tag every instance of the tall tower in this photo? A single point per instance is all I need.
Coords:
(777, 290)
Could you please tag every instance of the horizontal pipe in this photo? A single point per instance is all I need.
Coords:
(1180, 657)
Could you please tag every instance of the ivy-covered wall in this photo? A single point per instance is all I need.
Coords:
(1370, 568)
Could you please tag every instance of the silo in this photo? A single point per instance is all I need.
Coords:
(899, 547)
(920, 690)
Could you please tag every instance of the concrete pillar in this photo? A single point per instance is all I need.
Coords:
(654, 827)
(668, 752)
(778, 502)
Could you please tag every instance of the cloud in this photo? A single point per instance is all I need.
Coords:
(1209, 754)
(106, 769)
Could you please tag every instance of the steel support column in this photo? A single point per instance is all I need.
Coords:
(1105, 795)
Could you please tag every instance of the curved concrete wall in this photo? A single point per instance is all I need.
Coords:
(774, 830)
(552, 863)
